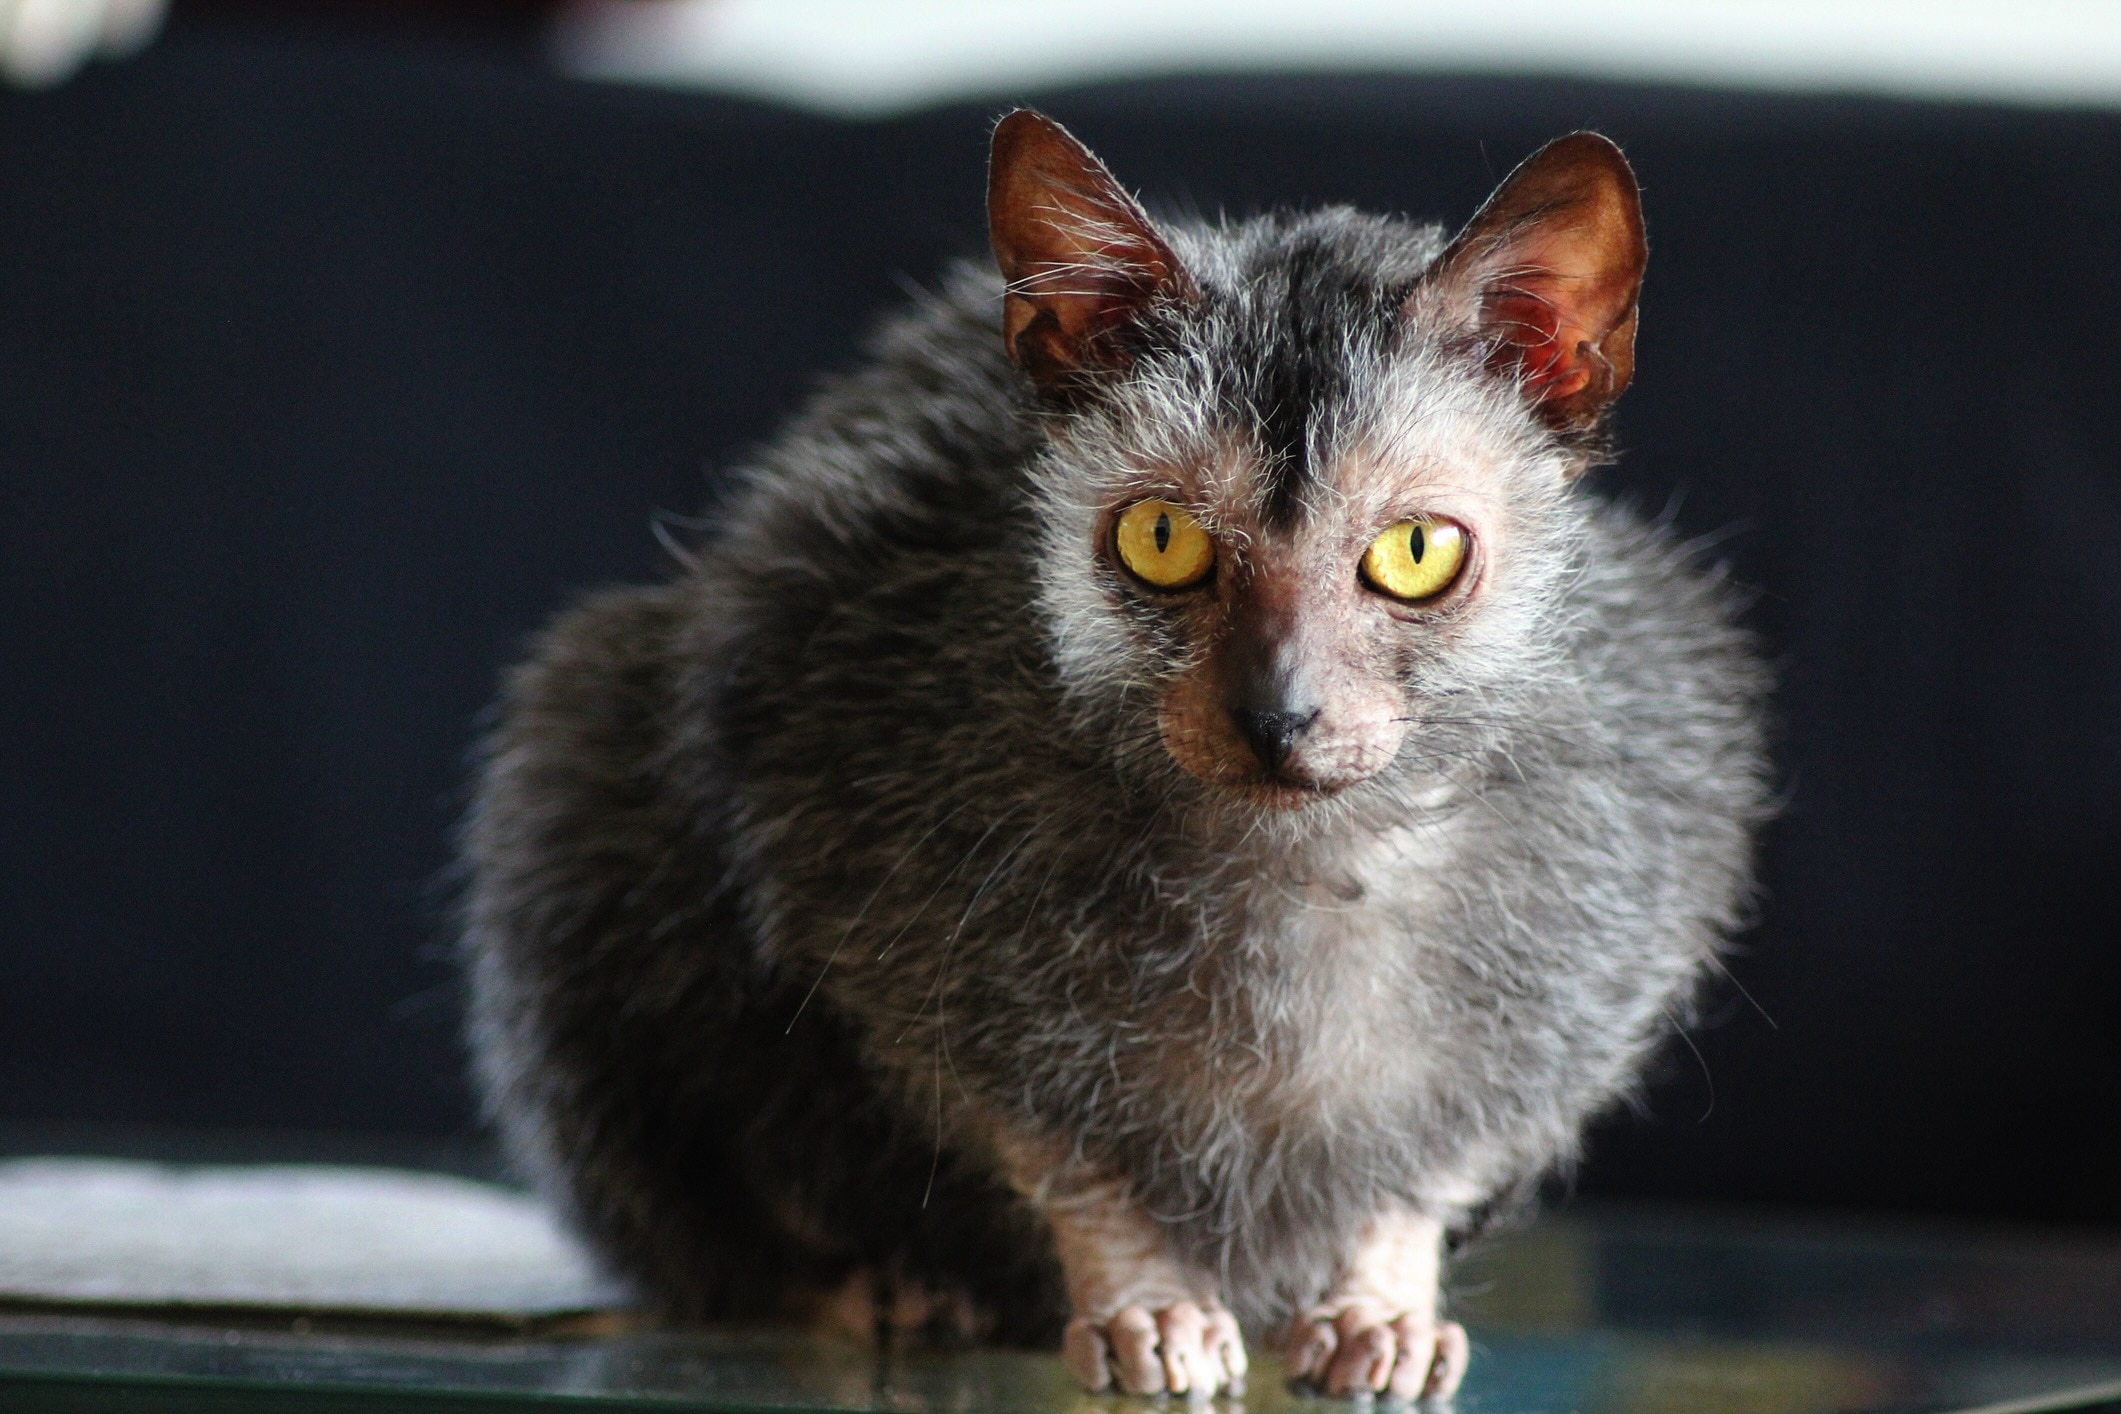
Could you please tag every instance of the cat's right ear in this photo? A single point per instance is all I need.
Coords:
(1082, 262)
(1549, 271)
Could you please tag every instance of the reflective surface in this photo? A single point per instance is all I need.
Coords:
(1617, 1312)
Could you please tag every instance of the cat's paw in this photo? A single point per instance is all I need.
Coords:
(1189, 1348)
(1366, 1349)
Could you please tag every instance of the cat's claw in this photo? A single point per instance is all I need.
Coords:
(1190, 1348)
(1368, 1350)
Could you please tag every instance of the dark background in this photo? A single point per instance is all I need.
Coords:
(335, 356)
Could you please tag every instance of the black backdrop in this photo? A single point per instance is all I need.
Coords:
(328, 369)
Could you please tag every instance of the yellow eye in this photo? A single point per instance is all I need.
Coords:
(1416, 559)
(1163, 545)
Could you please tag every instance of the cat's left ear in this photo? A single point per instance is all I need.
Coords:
(1083, 263)
(1549, 271)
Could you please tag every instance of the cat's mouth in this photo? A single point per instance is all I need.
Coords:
(1284, 766)
(1278, 792)
(1296, 767)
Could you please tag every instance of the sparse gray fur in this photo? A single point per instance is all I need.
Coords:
(799, 879)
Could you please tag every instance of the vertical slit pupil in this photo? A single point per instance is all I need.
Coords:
(1163, 533)
(1417, 546)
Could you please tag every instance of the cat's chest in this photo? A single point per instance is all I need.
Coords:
(1326, 1000)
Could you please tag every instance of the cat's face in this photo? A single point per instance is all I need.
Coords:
(1308, 476)
(1289, 638)
(1288, 667)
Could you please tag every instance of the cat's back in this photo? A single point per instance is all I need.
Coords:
(843, 541)
(579, 729)
(867, 592)
(569, 823)
(916, 453)
(1666, 666)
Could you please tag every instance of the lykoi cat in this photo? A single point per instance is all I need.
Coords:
(1163, 800)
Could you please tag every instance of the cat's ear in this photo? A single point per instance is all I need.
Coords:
(1081, 260)
(1549, 271)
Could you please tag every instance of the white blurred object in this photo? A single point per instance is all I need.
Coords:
(865, 57)
(107, 1230)
(45, 41)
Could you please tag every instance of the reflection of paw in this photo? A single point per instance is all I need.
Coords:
(1183, 1349)
(1364, 1349)
(895, 1312)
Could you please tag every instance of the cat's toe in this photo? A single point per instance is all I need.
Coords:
(1185, 1349)
(1216, 1354)
(1136, 1362)
(1312, 1343)
(1087, 1355)
(1447, 1367)
(1363, 1350)
(1365, 1356)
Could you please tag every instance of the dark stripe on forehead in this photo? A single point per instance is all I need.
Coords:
(1308, 310)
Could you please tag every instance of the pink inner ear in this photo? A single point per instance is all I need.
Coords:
(1092, 273)
(1548, 353)
(1553, 307)
(1552, 264)
(1081, 259)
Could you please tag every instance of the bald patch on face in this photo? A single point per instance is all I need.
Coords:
(1310, 317)
(1292, 684)
(1372, 490)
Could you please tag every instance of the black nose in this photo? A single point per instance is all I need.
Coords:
(1272, 733)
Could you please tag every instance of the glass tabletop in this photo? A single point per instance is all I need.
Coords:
(1616, 1311)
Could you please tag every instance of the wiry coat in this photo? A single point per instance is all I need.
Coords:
(805, 882)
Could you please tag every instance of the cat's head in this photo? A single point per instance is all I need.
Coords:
(1308, 476)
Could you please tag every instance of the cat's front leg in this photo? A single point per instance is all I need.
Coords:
(1141, 1320)
(1379, 1330)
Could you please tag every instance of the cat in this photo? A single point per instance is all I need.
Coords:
(1162, 801)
